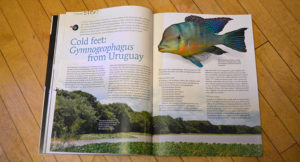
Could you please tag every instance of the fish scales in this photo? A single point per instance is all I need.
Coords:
(197, 35)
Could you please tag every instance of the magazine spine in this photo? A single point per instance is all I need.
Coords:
(52, 43)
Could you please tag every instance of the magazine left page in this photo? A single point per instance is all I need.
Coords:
(99, 93)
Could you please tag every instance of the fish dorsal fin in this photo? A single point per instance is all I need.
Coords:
(216, 24)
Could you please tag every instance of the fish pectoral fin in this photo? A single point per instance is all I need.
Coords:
(194, 61)
(215, 50)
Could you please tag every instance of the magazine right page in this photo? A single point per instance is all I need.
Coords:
(205, 96)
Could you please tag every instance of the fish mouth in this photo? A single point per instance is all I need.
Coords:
(161, 48)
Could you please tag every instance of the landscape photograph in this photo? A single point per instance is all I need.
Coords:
(82, 124)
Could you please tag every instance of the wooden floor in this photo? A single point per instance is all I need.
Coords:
(24, 38)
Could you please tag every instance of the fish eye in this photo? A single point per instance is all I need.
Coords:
(178, 37)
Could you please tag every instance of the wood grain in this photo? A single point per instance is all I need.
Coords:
(95, 4)
(279, 102)
(169, 158)
(292, 154)
(26, 37)
(281, 73)
(143, 3)
(114, 3)
(53, 7)
(245, 159)
(74, 5)
(142, 158)
(293, 7)
(21, 114)
(281, 42)
(284, 18)
(99, 159)
(273, 127)
(3, 157)
(270, 152)
(38, 19)
(21, 69)
(10, 140)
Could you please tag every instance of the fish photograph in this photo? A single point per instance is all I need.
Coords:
(197, 36)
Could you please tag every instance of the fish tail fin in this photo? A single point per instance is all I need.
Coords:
(236, 40)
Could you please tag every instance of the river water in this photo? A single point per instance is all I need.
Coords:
(224, 139)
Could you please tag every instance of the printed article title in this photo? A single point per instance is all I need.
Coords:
(90, 46)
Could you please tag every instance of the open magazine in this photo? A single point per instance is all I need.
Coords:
(126, 81)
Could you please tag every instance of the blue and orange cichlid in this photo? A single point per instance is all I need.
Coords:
(198, 35)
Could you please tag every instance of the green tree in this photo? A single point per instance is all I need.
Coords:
(73, 115)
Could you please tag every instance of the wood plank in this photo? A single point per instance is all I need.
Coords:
(99, 159)
(87, 158)
(168, 158)
(114, 3)
(71, 158)
(38, 19)
(74, 5)
(273, 127)
(48, 158)
(292, 154)
(26, 37)
(219, 159)
(208, 6)
(231, 6)
(281, 73)
(21, 69)
(270, 153)
(10, 140)
(142, 158)
(287, 50)
(3, 157)
(144, 3)
(187, 6)
(259, 38)
(53, 7)
(194, 159)
(279, 102)
(95, 4)
(162, 6)
(284, 18)
(114, 158)
(244, 159)
(19, 111)
(22, 73)
(294, 7)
